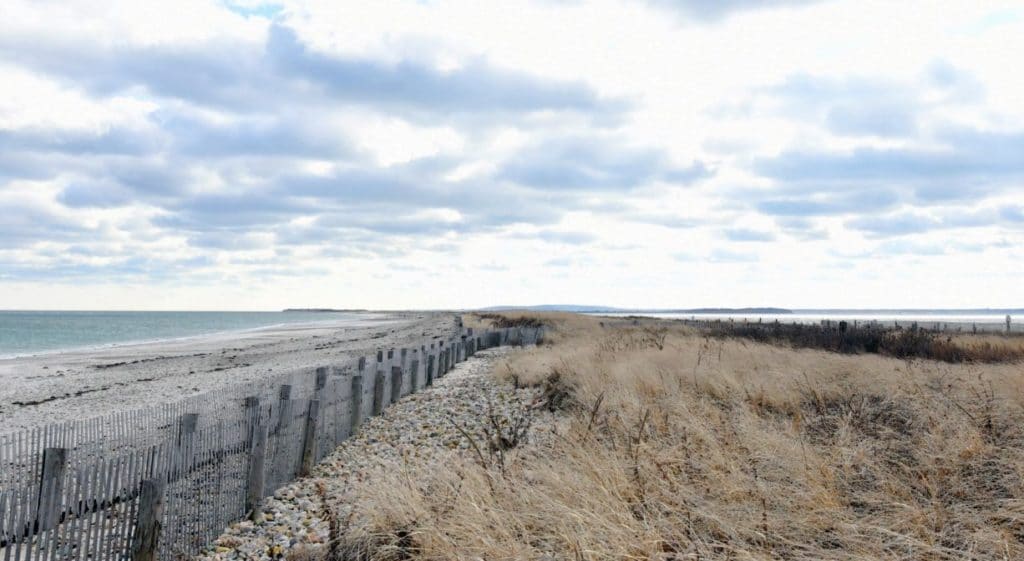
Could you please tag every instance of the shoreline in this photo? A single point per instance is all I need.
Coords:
(76, 384)
(196, 337)
(186, 334)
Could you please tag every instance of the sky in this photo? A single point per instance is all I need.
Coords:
(245, 155)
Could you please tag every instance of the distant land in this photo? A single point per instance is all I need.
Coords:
(607, 310)
(322, 310)
(585, 309)
(747, 311)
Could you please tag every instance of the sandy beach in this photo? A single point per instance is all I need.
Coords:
(81, 384)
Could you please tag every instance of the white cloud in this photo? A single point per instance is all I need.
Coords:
(540, 151)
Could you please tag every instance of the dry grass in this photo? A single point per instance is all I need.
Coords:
(676, 446)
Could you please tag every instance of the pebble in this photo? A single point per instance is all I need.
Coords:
(419, 428)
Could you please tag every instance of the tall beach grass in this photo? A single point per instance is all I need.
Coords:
(676, 445)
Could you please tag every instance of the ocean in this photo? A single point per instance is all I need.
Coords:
(34, 332)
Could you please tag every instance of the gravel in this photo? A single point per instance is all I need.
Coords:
(419, 428)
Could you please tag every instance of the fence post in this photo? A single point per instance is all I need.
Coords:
(252, 412)
(321, 381)
(147, 530)
(378, 392)
(1007, 324)
(309, 439)
(414, 373)
(357, 402)
(401, 387)
(378, 387)
(51, 483)
(186, 428)
(387, 368)
(405, 355)
(257, 472)
(284, 407)
(430, 370)
(396, 383)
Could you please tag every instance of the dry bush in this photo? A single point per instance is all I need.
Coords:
(686, 447)
(896, 342)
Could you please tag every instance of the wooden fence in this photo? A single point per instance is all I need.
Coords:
(160, 484)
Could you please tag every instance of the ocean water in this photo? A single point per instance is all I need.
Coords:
(34, 332)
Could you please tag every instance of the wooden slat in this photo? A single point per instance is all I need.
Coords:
(19, 523)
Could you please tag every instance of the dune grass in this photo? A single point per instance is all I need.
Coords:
(675, 445)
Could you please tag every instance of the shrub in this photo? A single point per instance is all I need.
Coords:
(896, 342)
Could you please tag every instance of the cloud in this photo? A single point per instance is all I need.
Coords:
(475, 87)
(967, 165)
(748, 235)
(571, 238)
(1012, 213)
(877, 119)
(287, 135)
(595, 163)
(827, 203)
(668, 220)
(802, 228)
(113, 141)
(230, 241)
(721, 255)
(28, 221)
(127, 269)
(715, 10)
(94, 194)
(905, 223)
(271, 140)
(860, 106)
(906, 247)
(893, 225)
(267, 10)
(559, 262)
(252, 141)
(246, 76)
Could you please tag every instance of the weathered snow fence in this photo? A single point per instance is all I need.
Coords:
(160, 484)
